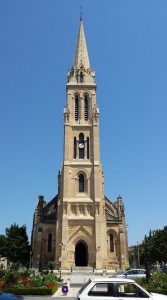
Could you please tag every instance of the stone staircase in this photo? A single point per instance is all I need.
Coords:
(82, 270)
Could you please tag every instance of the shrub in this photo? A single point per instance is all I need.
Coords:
(24, 282)
(10, 279)
(26, 272)
(32, 291)
(45, 272)
(158, 280)
(35, 280)
(2, 273)
(50, 278)
(51, 265)
(157, 283)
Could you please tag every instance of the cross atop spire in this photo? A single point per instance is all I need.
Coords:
(81, 13)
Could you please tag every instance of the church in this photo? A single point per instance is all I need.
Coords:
(80, 226)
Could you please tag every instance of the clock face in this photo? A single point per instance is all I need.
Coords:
(81, 145)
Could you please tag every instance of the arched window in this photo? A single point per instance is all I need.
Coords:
(86, 107)
(81, 146)
(81, 76)
(87, 148)
(111, 243)
(76, 108)
(49, 242)
(81, 183)
(75, 148)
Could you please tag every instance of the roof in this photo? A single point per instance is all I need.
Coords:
(110, 279)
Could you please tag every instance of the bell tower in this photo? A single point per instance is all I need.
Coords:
(81, 206)
(80, 226)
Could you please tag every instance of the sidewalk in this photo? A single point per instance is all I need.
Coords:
(74, 282)
(72, 293)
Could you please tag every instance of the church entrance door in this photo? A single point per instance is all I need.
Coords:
(81, 254)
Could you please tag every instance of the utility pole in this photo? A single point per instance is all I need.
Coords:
(138, 255)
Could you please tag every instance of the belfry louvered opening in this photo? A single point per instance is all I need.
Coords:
(86, 107)
(76, 108)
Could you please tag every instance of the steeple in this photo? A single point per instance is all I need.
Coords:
(81, 58)
(81, 71)
(80, 226)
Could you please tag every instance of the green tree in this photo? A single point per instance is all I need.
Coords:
(161, 245)
(17, 247)
(2, 245)
(51, 265)
(154, 249)
(146, 251)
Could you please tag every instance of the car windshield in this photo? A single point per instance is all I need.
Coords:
(84, 286)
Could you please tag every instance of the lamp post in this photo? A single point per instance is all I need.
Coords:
(138, 255)
(38, 262)
(60, 260)
(30, 263)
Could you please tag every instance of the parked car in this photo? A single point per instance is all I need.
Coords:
(8, 296)
(115, 288)
(163, 268)
(132, 274)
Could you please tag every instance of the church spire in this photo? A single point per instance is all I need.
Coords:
(81, 58)
(81, 71)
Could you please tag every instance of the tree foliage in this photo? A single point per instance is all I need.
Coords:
(15, 245)
(2, 245)
(154, 247)
(153, 250)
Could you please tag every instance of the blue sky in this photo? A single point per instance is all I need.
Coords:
(127, 46)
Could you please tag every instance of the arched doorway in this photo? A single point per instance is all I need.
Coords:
(81, 254)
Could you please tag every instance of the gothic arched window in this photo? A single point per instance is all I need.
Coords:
(49, 242)
(75, 148)
(86, 107)
(87, 148)
(76, 108)
(111, 242)
(81, 183)
(81, 76)
(81, 146)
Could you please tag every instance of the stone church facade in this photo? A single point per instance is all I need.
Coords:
(80, 226)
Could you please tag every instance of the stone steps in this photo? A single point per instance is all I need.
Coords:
(83, 270)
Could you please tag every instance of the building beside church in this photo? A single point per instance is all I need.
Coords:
(80, 226)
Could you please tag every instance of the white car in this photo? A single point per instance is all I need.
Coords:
(115, 289)
(132, 274)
